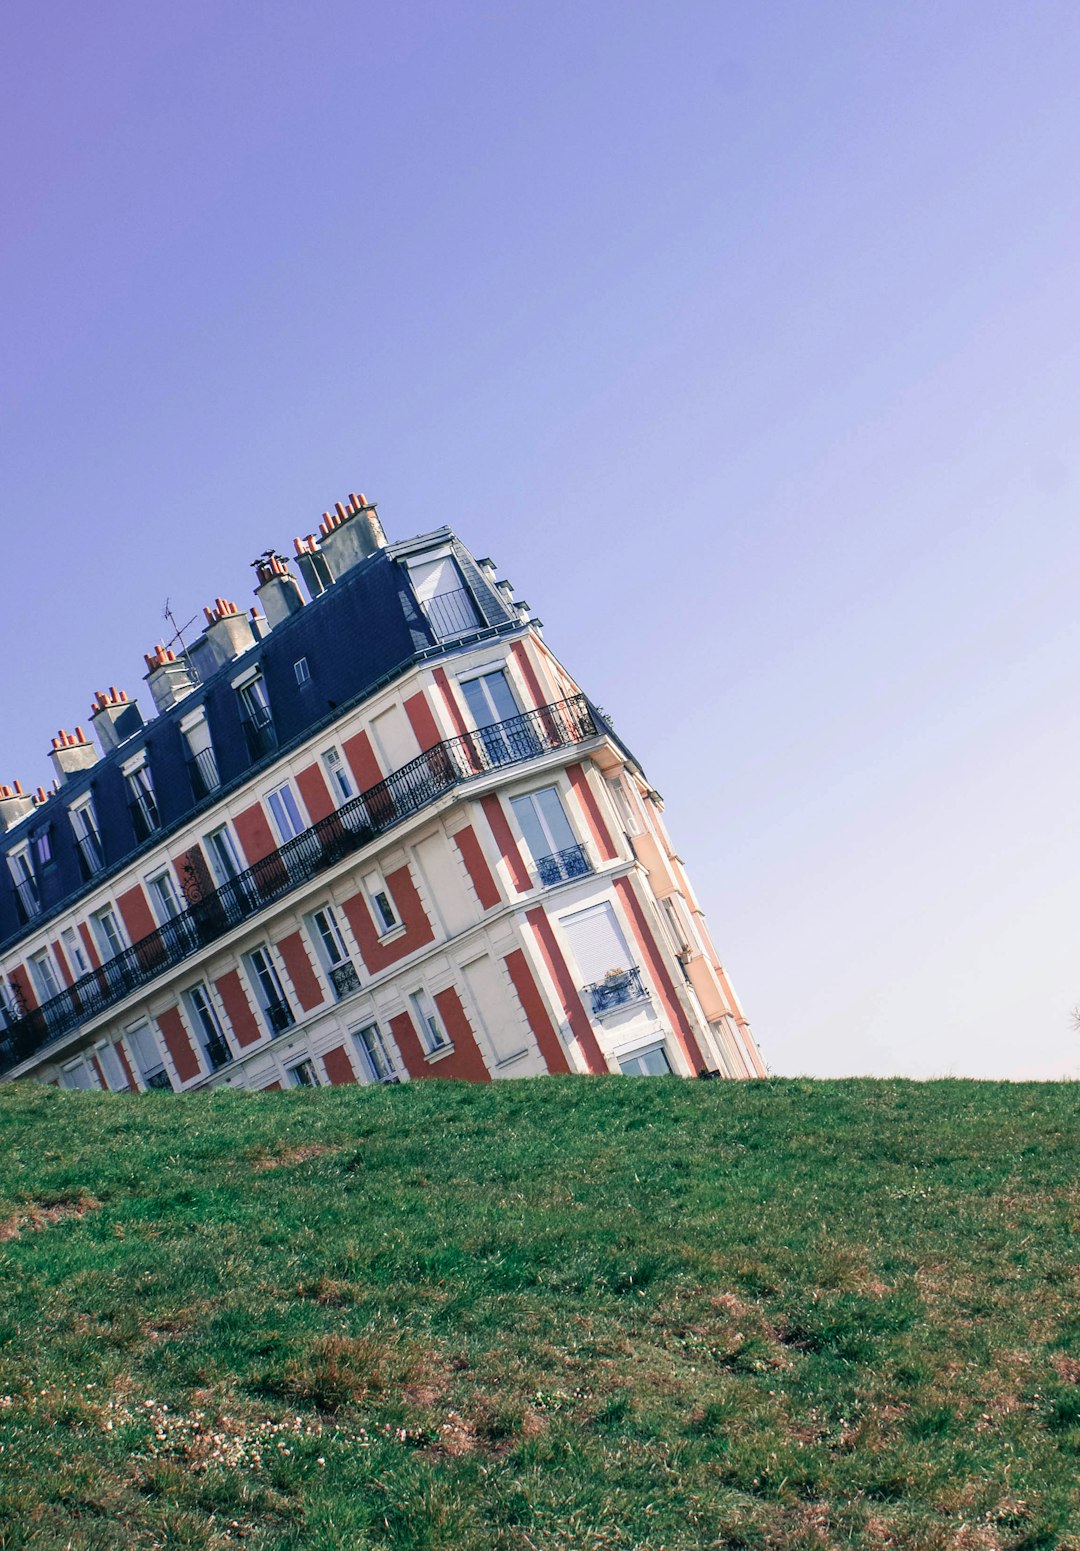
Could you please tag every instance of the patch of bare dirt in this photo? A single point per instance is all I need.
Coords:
(36, 1216)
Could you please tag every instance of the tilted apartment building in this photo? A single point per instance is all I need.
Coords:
(373, 834)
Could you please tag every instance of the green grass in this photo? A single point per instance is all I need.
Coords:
(559, 1315)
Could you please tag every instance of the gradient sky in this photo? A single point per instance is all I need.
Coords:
(744, 336)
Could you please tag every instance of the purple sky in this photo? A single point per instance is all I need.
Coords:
(745, 337)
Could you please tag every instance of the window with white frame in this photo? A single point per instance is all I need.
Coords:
(201, 761)
(9, 1005)
(142, 801)
(505, 734)
(164, 896)
(285, 812)
(224, 862)
(551, 841)
(652, 1062)
(428, 1022)
(268, 989)
(107, 931)
(374, 1053)
(204, 1020)
(302, 1075)
(41, 846)
(43, 974)
(256, 718)
(75, 952)
(382, 905)
(26, 889)
(145, 1052)
(302, 671)
(77, 1074)
(325, 931)
(338, 776)
(113, 1067)
(87, 836)
(441, 592)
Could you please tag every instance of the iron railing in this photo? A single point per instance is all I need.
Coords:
(624, 985)
(279, 1015)
(260, 735)
(561, 866)
(344, 979)
(452, 613)
(144, 817)
(159, 1079)
(218, 1053)
(211, 915)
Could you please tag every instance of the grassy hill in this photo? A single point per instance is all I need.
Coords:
(560, 1315)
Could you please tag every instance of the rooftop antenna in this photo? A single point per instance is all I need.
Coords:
(178, 636)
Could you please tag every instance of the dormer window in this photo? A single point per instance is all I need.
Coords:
(444, 598)
(26, 888)
(255, 716)
(142, 802)
(87, 837)
(202, 766)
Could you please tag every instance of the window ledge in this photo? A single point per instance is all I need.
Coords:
(440, 1054)
(392, 933)
(517, 1056)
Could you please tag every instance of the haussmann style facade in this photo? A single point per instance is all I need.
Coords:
(374, 834)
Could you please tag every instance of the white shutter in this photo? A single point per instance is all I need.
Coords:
(434, 578)
(597, 942)
(487, 991)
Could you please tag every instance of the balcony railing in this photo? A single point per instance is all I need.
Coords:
(404, 792)
(616, 989)
(144, 817)
(561, 866)
(452, 613)
(279, 1015)
(218, 1053)
(344, 979)
(260, 735)
(159, 1079)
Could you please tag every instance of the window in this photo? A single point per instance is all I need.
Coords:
(42, 847)
(77, 1075)
(202, 765)
(302, 671)
(207, 1025)
(142, 804)
(146, 1056)
(113, 1067)
(612, 979)
(427, 1021)
(268, 991)
(338, 777)
(386, 917)
(163, 896)
(333, 954)
(505, 734)
(548, 835)
(44, 976)
(110, 939)
(26, 888)
(87, 838)
(285, 811)
(9, 1006)
(374, 1054)
(442, 595)
(223, 858)
(646, 1063)
(302, 1075)
(74, 952)
(255, 715)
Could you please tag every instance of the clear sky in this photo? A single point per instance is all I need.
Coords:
(744, 336)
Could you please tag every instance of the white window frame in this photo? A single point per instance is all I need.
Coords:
(43, 961)
(639, 1054)
(75, 952)
(302, 671)
(105, 946)
(277, 802)
(88, 834)
(139, 781)
(293, 1078)
(255, 980)
(370, 1061)
(134, 1036)
(428, 1021)
(376, 888)
(190, 998)
(153, 884)
(210, 847)
(107, 1057)
(23, 876)
(336, 767)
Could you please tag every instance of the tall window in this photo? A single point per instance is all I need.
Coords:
(44, 976)
(74, 952)
(442, 595)
(142, 802)
(147, 1058)
(255, 716)
(382, 906)
(428, 1022)
(202, 765)
(375, 1056)
(113, 1067)
(110, 939)
(77, 1075)
(42, 848)
(646, 1063)
(26, 888)
(333, 954)
(223, 858)
(302, 1075)
(338, 777)
(285, 811)
(268, 991)
(548, 835)
(87, 837)
(207, 1026)
(505, 734)
(164, 896)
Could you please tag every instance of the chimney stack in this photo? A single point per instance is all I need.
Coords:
(278, 590)
(14, 805)
(72, 752)
(228, 633)
(114, 718)
(313, 567)
(349, 535)
(168, 677)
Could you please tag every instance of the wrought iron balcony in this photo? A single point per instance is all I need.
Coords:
(404, 792)
(218, 1054)
(159, 1079)
(144, 817)
(279, 1015)
(561, 866)
(260, 735)
(617, 988)
(89, 852)
(344, 979)
(452, 613)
